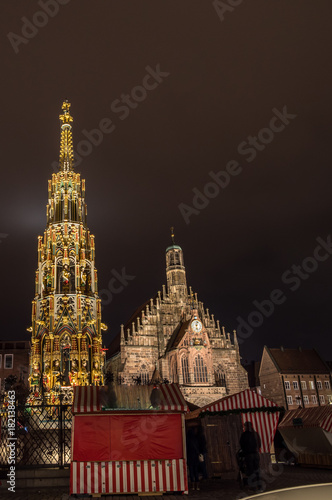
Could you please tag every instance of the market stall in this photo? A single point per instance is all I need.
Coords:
(307, 433)
(223, 422)
(128, 439)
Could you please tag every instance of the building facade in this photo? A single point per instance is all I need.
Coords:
(14, 360)
(295, 377)
(66, 340)
(174, 337)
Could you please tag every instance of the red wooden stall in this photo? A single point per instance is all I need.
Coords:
(128, 439)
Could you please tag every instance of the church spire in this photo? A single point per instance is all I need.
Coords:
(172, 235)
(175, 270)
(66, 145)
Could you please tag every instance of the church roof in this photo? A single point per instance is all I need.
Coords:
(172, 247)
(177, 335)
(114, 346)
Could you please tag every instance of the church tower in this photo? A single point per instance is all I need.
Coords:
(175, 270)
(173, 337)
(66, 311)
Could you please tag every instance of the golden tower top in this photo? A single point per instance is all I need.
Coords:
(172, 235)
(66, 158)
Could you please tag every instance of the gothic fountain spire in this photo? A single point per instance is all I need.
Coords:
(66, 326)
(66, 158)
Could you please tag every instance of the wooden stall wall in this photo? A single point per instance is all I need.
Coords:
(222, 441)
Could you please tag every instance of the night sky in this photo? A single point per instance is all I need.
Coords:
(221, 79)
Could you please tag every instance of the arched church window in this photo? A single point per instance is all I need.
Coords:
(185, 369)
(174, 259)
(200, 370)
(220, 377)
(144, 378)
(174, 370)
(177, 259)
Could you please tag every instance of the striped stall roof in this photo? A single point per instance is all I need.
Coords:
(128, 477)
(327, 423)
(319, 416)
(87, 399)
(173, 398)
(263, 422)
(244, 399)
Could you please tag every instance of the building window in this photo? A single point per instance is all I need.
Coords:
(185, 369)
(289, 400)
(144, 378)
(174, 370)
(9, 361)
(306, 400)
(296, 385)
(329, 399)
(319, 384)
(327, 384)
(312, 385)
(200, 370)
(220, 377)
(0, 360)
(314, 399)
(304, 385)
(322, 400)
(298, 400)
(287, 385)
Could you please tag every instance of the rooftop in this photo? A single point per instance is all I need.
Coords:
(173, 247)
(297, 360)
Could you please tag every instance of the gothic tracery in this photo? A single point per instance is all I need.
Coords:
(66, 313)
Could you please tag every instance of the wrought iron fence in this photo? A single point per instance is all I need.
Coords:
(41, 436)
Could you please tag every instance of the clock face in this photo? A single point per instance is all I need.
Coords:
(196, 326)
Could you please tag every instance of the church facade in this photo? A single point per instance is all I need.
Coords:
(66, 339)
(174, 337)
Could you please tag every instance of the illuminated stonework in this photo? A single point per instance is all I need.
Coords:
(66, 327)
(174, 337)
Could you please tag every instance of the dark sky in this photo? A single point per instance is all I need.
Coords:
(225, 79)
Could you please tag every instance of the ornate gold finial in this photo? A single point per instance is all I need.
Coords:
(66, 117)
(172, 234)
(66, 146)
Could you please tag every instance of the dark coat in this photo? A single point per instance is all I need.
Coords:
(192, 447)
(250, 442)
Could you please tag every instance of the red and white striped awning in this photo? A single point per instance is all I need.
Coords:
(146, 476)
(172, 398)
(327, 424)
(87, 399)
(244, 399)
(319, 416)
(263, 422)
